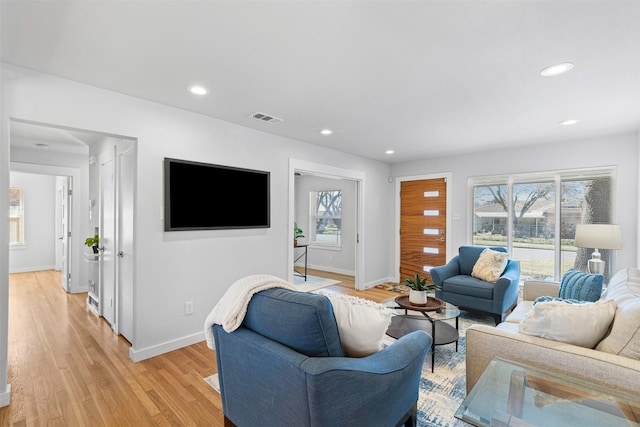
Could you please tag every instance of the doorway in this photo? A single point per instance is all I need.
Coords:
(348, 178)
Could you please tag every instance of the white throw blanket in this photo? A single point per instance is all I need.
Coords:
(232, 307)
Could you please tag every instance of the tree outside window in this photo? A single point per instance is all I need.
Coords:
(325, 217)
(16, 216)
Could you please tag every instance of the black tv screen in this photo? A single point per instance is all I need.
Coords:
(202, 196)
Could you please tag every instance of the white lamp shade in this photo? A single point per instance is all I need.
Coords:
(598, 236)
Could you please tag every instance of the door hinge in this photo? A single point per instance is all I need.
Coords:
(69, 192)
(68, 234)
(68, 276)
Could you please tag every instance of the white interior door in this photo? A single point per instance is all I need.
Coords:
(126, 177)
(107, 240)
(64, 229)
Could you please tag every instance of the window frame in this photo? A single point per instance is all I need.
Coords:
(313, 217)
(557, 177)
(16, 219)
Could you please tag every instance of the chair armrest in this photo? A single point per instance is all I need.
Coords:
(378, 389)
(506, 287)
(443, 272)
(533, 289)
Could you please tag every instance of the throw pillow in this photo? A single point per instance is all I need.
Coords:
(547, 298)
(579, 324)
(624, 337)
(581, 286)
(490, 265)
(361, 323)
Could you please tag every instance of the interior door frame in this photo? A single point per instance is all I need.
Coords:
(448, 176)
(327, 171)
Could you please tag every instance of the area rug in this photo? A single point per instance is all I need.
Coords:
(313, 283)
(442, 391)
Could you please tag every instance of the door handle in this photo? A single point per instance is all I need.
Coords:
(442, 239)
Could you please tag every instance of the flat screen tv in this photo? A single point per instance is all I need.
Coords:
(202, 196)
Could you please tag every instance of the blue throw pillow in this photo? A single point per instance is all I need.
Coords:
(581, 286)
(547, 298)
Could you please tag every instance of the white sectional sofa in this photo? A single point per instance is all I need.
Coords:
(613, 362)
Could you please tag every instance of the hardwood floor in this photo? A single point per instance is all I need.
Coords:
(68, 368)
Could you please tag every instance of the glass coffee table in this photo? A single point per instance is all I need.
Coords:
(515, 394)
(408, 318)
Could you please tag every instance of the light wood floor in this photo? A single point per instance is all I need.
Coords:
(67, 368)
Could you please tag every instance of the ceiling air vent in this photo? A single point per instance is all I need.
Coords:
(266, 118)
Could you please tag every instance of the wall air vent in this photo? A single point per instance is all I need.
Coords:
(266, 118)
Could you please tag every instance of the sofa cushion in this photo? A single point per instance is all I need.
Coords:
(468, 256)
(579, 324)
(490, 265)
(624, 337)
(581, 286)
(299, 320)
(362, 323)
(518, 314)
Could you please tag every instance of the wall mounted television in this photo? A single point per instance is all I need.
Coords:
(203, 196)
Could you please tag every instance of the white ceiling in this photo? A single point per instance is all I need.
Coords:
(424, 78)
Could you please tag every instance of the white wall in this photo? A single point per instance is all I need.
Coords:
(38, 251)
(620, 151)
(175, 267)
(338, 261)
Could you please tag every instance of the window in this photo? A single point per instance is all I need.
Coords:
(535, 217)
(325, 217)
(16, 216)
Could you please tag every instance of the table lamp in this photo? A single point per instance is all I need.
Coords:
(598, 236)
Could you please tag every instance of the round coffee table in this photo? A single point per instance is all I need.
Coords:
(408, 318)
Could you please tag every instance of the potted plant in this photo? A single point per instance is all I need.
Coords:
(92, 242)
(297, 234)
(418, 287)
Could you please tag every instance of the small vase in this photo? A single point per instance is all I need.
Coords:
(418, 297)
(295, 242)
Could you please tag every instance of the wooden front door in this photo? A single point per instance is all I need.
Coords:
(423, 221)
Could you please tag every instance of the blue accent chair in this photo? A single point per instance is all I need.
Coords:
(455, 285)
(285, 366)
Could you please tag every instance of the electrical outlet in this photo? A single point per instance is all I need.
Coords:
(188, 308)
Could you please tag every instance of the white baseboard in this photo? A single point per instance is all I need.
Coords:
(330, 269)
(5, 398)
(157, 350)
(32, 268)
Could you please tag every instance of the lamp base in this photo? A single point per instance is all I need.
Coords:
(595, 264)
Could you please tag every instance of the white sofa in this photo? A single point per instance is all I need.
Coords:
(618, 369)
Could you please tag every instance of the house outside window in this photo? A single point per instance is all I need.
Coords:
(534, 216)
(325, 218)
(16, 216)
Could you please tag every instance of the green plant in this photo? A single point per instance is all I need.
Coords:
(297, 232)
(418, 283)
(92, 241)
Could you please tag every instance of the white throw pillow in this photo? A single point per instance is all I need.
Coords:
(579, 324)
(490, 265)
(624, 336)
(362, 323)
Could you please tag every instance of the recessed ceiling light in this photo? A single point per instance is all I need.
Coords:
(556, 69)
(389, 152)
(198, 90)
(568, 122)
(326, 131)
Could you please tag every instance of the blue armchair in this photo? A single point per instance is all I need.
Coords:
(285, 366)
(455, 284)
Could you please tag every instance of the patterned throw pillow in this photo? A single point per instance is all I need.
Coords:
(581, 286)
(546, 298)
(490, 265)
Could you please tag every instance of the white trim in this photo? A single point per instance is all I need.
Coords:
(448, 176)
(333, 172)
(166, 347)
(5, 398)
(330, 269)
